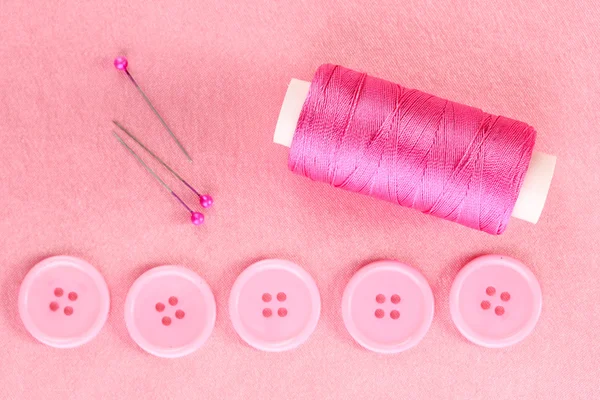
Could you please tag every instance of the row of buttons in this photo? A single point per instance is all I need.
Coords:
(275, 305)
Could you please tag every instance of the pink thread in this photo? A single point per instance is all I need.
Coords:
(378, 138)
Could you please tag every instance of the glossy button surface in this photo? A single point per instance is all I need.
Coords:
(387, 307)
(170, 311)
(495, 301)
(274, 305)
(64, 302)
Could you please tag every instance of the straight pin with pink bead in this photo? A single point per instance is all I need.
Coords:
(121, 64)
(205, 200)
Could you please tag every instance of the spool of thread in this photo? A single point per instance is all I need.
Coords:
(376, 137)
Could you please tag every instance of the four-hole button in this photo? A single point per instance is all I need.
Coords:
(495, 301)
(387, 307)
(274, 305)
(170, 311)
(64, 302)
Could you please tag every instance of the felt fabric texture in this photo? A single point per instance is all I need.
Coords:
(217, 71)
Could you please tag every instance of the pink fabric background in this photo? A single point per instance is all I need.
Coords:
(218, 71)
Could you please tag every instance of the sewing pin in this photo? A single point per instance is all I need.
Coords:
(205, 200)
(196, 217)
(121, 64)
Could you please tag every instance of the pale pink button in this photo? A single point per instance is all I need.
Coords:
(387, 307)
(170, 311)
(274, 305)
(495, 301)
(63, 302)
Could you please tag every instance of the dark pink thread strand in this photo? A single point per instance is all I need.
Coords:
(378, 138)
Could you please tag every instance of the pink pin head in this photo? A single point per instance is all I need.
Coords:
(206, 200)
(121, 63)
(197, 218)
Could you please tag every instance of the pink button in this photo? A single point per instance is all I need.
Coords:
(387, 307)
(274, 305)
(495, 301)
(64, 302)
(170, 311)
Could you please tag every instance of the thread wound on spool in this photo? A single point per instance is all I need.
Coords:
(375, 137)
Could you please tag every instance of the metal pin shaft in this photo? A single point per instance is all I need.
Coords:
(162, 121)
(157, 158)
(137, 157)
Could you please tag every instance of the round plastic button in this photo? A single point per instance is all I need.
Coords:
(64, 302)
(274, 305)
(495, 301)
(387, 307)
(170, 311)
